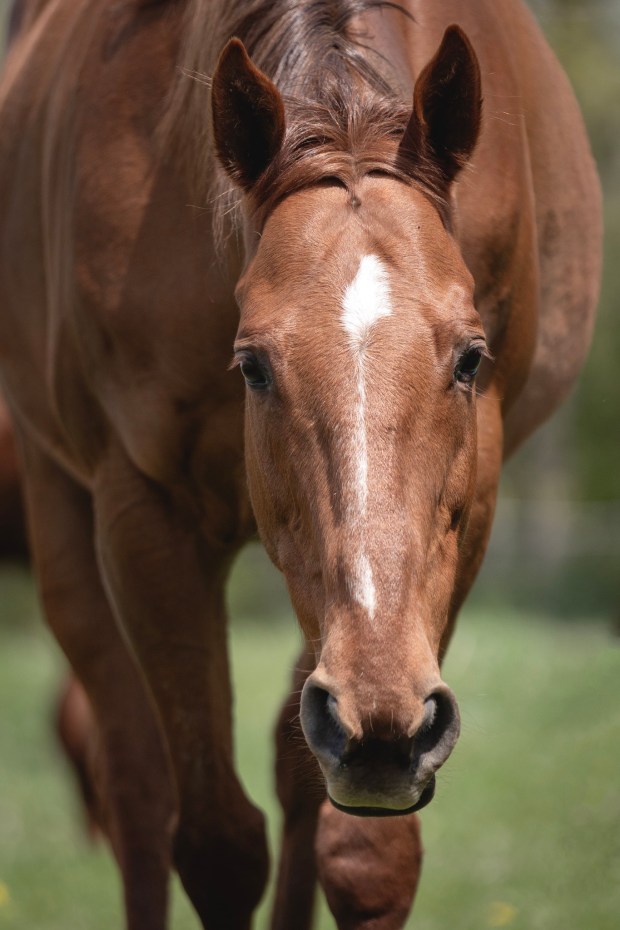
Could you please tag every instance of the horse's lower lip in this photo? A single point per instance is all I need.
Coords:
(425, 798)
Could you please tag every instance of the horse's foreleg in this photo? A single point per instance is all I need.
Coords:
(135, 794)
(300, 791)
(168, 587)
(13, 544)
(368, 867)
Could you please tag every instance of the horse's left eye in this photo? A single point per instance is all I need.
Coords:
(467, 366)
(256, 375)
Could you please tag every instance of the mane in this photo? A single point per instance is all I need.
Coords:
(344, 116)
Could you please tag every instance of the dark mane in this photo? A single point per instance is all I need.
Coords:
(298, 44)
(344, 117)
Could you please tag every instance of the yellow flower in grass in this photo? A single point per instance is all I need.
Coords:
(4, 895)
(501, 914)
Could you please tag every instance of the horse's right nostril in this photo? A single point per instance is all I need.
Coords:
(321, 724)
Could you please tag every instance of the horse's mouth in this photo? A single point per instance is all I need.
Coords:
(425, 798)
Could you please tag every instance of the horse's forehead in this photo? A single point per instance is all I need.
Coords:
(321, 253)
(351, 289)
(312, 235)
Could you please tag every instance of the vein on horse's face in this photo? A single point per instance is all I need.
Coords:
(366, 300)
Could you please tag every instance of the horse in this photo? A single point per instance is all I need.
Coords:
(13, 544)
(309, 269)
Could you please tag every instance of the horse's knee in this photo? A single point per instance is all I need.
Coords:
(224, 867)
(369, 868)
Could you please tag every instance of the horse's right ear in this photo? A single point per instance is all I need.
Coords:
(248, 116)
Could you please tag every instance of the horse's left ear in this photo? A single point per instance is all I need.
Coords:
(447, 107)
(248, 115)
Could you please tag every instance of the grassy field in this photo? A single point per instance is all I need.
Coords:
(524, 831)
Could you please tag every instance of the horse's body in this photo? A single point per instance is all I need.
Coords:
(359, 259)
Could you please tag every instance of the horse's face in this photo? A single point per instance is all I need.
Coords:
(359, 344)
(359, 341)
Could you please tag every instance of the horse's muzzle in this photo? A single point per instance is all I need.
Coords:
(391, 774)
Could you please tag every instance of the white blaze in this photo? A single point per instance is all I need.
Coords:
(366, 300)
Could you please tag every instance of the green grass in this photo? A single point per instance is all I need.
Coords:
(524, 831)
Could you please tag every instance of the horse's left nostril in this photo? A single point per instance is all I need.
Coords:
(440, 728)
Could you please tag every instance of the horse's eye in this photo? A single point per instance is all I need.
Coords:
(256, 375)
(468, 365)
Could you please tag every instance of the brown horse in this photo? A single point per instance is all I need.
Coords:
(407, 286)
(13, 545)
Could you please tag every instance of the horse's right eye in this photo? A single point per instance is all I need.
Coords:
(255, 374)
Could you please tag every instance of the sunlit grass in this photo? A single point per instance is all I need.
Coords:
(524, 831)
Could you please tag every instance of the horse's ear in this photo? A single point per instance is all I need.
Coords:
(248, 115)
(447, 107)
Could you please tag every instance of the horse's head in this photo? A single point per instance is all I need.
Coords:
(359, 344)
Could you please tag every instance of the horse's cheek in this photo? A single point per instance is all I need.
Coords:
(261, 469)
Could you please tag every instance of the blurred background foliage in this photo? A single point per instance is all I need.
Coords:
(524, 832)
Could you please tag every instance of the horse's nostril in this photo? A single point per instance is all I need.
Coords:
(320, 722)
(387, 750)
(441, 725)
